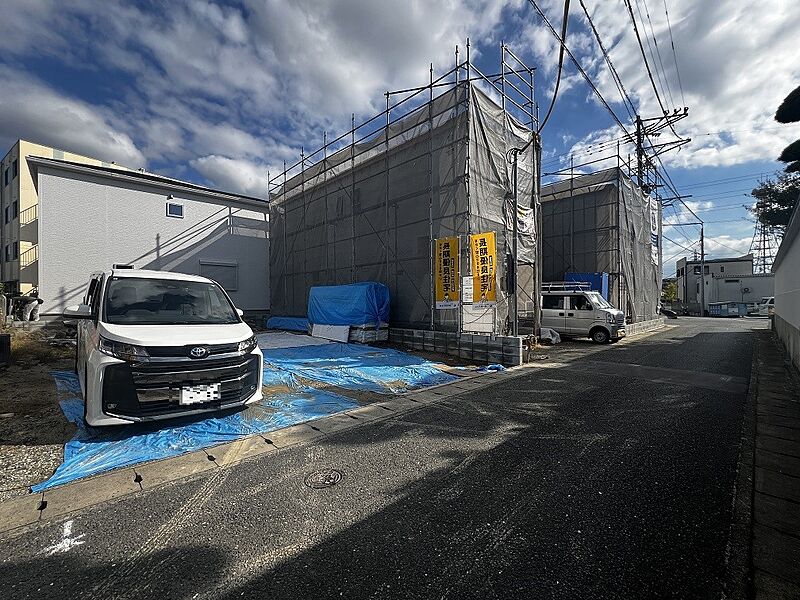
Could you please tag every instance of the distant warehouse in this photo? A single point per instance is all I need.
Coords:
(64, 219)
(603, 223)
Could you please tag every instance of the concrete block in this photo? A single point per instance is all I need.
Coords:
(19, 511)
(777, 513)
(370, 412)
(238, 450)
(88, 492)
(495, 357)
(777, 553)
(782, 463)
(785, 433)
(778, 445)
(156, 473)
(770, 587)
(334, 423)
(777, 484)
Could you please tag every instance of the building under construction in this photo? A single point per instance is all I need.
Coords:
(438, 162)
(603, 223)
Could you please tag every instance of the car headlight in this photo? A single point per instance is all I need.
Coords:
(611, 318)
(247, 345)
(123, 351)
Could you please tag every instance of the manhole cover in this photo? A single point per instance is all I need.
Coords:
(323, 479)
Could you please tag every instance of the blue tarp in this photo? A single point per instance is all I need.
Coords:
(357, 367)
(288, 323)
(96, 450)
(356, 304)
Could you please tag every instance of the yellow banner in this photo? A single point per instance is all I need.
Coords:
(484, 269)
(446, 270)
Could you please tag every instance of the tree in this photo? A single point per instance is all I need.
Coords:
(789, 110)
(776, 199)
(671, 292)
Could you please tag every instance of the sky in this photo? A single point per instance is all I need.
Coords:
(222, 93)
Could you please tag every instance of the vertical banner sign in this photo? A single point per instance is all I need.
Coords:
(654, 241)
(447, 273)
(484, 269)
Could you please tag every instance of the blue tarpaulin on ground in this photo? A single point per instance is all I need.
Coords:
(356, 304)
(96, 450)
(288, 323)
(357, 367)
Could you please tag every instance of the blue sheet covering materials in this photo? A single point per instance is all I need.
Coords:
(356, 304)
(288, 323)
(357, 367)
(95, 450)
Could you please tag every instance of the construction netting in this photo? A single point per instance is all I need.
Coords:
(603, 223)
(371, 210)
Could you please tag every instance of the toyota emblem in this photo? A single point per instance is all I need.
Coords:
(198, 352)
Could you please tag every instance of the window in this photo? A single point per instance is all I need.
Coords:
(697, 269)
(731, 281)
(5, 182)
(174, 210)
(16, 249)
(721, 269)
(706, 270)
(6, 217)
(8, 252)
(15, 210)
(553, 302)
(580, 303)
(14, 170)
(225, 274)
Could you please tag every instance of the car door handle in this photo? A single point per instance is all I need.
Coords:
(570, 314)
(560, 314)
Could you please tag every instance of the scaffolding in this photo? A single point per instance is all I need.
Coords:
(368, 204)
(600, 221)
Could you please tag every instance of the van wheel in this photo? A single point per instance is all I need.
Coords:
(599, 335)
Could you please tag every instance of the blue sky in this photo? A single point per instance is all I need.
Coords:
(219, 93)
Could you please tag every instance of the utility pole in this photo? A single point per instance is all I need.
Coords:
(639, 153)
(702, 272)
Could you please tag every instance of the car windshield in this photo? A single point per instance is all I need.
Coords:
(144, 301)
(598, 300)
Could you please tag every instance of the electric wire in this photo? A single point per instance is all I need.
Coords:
(560, 64)
(674, 54)
(658, 51)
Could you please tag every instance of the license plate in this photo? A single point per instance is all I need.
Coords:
(197, 394)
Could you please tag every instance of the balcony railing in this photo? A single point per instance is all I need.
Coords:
(29, 215)
(30, 256)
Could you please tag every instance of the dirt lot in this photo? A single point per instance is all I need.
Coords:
(33, 429)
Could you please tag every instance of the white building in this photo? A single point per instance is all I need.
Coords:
(786, 268)
(90, 217)
(689, 279)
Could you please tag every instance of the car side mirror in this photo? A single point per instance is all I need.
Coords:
(240, 312)
(79, 311)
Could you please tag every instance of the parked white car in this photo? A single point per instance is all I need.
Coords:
(154, 345)
(767, 307)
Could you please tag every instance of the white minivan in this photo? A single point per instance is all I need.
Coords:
(154, 345)
(576, 312)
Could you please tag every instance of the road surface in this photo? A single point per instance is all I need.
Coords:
(605, 472)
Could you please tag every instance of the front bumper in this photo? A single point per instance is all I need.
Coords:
(133, 392)
(617, 331)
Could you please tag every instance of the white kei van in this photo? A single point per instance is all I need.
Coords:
(574, 311)
(154, 345)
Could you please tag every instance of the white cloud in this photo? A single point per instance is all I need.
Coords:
(737, 61)
(31, 110)
(235, 175)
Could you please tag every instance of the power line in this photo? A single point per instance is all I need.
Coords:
(560, 64)
(674, 54)
(578, 66)
(626, 100)
(646, 64)
(658, 52)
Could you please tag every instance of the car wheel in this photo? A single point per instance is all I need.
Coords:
(600, 336)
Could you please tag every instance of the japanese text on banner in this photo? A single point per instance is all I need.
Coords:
(446, 270)
(484, 269)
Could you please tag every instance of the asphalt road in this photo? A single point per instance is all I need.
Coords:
(609, 474)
